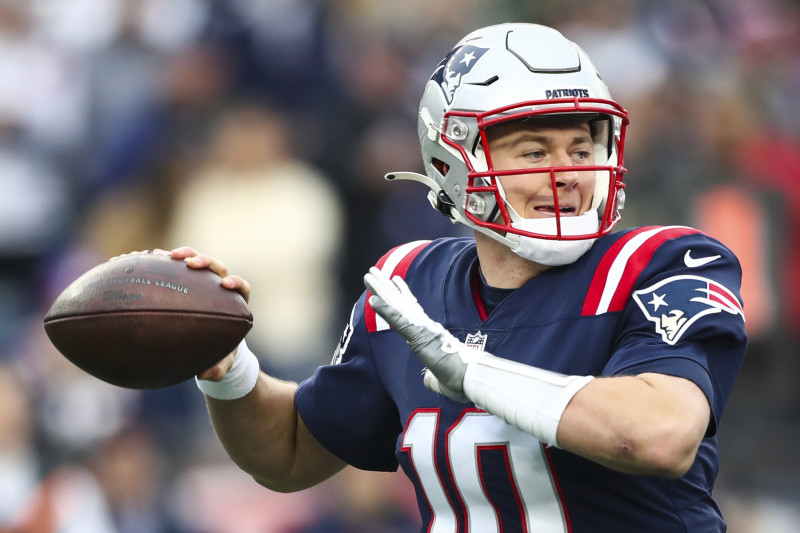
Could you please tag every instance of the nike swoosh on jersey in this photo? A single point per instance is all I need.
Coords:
(693, 262)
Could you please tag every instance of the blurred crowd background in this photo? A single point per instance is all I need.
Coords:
(259, 131)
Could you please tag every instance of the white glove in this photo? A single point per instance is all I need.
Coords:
(445, 357)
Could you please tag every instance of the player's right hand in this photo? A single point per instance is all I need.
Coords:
(233, 282)
(218, 370)
(197, 260)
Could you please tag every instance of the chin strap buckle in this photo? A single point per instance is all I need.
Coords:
(442, 203)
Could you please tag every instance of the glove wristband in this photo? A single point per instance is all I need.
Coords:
(238, 381)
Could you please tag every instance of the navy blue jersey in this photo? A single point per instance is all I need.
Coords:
(656, 299)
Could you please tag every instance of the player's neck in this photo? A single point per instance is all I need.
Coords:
(501, 267)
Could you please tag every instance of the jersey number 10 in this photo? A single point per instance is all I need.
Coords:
(528, 482)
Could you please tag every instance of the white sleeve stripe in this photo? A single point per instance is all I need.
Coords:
(391, 263)
(398, 254)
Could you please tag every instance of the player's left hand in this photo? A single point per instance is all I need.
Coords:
(445, 357)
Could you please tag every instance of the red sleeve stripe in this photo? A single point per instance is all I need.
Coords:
(396, 262)
(620, 267)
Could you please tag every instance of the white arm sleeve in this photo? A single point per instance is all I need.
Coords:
(526, 397)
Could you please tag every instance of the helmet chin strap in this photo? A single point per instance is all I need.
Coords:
(554, 252)
(550, 252)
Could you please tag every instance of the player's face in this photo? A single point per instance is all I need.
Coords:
(565, 143)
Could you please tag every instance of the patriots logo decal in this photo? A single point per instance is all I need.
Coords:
(454, 66)
(676, 303)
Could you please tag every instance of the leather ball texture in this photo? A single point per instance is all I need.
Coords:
(147, 321)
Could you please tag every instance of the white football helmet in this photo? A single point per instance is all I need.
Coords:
(510, 72)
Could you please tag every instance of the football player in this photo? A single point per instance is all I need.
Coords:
(545, 375)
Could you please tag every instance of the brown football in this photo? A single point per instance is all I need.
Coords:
(147, 321)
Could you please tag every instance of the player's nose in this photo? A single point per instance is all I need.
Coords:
(567, 179)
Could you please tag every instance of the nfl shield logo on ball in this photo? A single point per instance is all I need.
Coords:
(476, 340)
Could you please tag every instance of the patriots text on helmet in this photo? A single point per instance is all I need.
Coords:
(566, 93)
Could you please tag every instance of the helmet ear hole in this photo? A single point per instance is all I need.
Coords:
(440, 165)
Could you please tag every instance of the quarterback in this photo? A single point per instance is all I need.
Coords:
(547, 375)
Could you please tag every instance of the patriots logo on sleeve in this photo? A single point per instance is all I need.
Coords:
(676, 303)
(452, 69)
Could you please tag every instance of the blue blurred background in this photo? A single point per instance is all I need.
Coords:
(258, 131)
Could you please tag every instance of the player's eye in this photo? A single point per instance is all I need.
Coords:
(583, 156)
(534, 154)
